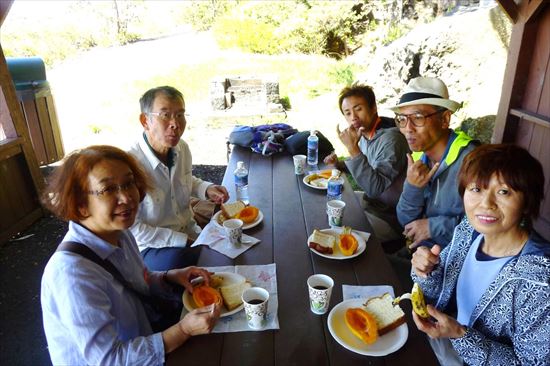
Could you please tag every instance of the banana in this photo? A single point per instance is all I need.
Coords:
(417, 298)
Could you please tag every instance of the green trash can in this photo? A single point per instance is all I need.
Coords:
(37, 104)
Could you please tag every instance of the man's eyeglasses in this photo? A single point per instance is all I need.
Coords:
(113, 189)
(417, 119)
(167, 116)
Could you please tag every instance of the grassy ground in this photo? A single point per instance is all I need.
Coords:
(97, 93)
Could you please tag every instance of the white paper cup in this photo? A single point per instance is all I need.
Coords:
(335, 213)
(255, 301)
(233, 230)
(320, 288)
(299, 164)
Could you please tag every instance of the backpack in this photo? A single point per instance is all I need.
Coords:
(262, 139)
(297, 144)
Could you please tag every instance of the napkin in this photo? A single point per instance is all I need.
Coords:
(214, 236)
(362, 234)
(262, 275)
(365, 292)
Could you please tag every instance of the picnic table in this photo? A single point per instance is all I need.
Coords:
(291, 211)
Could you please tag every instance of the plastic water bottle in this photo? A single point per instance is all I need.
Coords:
(241, 182)
(335, 186)
(312, 148)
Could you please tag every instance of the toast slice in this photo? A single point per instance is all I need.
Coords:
(388, 316)
(230, 210)
(322, 242)
(232, 294)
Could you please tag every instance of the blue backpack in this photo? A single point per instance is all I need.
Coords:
(262, 139)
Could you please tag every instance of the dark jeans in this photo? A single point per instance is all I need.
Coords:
(163, 259)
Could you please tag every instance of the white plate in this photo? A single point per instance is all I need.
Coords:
(306, 182)
(336, 253)
(388, 343)
(245, 226)
(229, 278)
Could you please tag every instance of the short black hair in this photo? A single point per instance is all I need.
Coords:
(357, 90)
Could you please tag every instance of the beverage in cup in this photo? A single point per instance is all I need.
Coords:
(320, 289)
(255, 300)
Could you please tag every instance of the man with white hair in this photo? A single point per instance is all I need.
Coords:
(430, 207)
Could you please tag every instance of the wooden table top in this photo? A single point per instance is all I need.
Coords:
(291, 211)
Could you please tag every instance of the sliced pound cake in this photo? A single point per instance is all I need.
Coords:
(387, 315)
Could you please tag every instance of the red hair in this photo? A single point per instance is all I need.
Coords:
(67, 188)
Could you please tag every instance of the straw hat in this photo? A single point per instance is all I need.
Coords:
(422, 90)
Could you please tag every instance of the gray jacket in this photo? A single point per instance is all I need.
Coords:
(380, 171)
(439, 200)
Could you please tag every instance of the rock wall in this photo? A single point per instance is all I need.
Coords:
(464, 50)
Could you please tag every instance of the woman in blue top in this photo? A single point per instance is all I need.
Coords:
(491, 285)
(90, 318)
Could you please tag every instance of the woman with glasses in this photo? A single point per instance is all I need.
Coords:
(93, 295)
(491, 285)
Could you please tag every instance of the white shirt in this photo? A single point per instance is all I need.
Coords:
(90, 318)
(164, 217)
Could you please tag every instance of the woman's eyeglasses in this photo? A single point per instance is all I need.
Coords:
(113, 189)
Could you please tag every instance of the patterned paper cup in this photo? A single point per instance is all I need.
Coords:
(299, 164)
(320, 289)
(233, 230)
(335, 212)
(255, 301)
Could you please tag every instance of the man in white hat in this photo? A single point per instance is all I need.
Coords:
(430, 207)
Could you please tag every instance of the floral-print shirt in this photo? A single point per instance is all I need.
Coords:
(510, 325)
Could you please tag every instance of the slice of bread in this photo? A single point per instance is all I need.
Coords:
(319, 182)
(322, 242)
(232, 294)
(230, 210)
(388, 316)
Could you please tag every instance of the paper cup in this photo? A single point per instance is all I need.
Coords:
(299, 164)
(233, 230)
(320, 289)
(255, 301)
(335, 213)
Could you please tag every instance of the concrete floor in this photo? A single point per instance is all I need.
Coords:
(22, 339)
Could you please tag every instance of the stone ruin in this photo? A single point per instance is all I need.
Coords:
(249, 94)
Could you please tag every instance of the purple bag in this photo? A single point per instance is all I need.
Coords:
(262, 139)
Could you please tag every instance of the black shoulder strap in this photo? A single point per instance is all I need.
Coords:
(84, 251)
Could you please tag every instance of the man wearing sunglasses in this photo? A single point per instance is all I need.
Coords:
(430, 207)
(164, 225)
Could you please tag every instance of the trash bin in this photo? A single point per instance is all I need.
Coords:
(35, 97)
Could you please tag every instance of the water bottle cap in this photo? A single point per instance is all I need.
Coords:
(313, 133)
(240, 164)
(335, 172)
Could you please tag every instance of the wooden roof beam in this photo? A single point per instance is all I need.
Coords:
(530, 8)
(510, 8)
